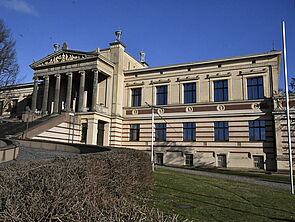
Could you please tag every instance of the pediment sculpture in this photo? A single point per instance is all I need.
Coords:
(64, 57)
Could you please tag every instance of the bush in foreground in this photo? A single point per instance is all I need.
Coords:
(93, 187)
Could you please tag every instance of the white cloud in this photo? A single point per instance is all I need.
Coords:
(19, 5)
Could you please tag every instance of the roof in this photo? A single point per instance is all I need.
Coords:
(180, 65)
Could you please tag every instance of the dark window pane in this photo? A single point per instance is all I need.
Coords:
(162, 94)
(221, 131)
(255, 88)
(136, 97)
(257, 130)
(190, 93)
(160, 132)
(134, 132)
(220, 90)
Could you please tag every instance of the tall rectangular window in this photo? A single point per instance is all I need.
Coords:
(189, 131)
(136, 97)
(221, 131)
(160, 132)
(220, 91)
(134, 132)
(84, 132)
(255, 88)
(257, 130)
(189, 93)
(162, 95)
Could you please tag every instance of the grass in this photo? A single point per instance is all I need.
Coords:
(219, 200)
(274, 177)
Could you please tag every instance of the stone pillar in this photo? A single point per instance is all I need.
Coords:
(56, 94)
(95, 90)
(35, 94)
(92, 132)
(81, 90)
(45, 95)
(69, 92)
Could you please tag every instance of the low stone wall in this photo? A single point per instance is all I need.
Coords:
(59, 146)
(8, 150)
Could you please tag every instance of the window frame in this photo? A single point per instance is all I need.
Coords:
(221, 131)
(136, 97)
(220, 92)
(134, 134)
(255, 88)
(192, 93)
(164, 93)
(160, 131)
(188, 161)
(257, 130)
(189, 131)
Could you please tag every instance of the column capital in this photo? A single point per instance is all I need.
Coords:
(95, 70)
(46, 77)
(69, 73)
(57, 75)
(82, 72)
(35, 78)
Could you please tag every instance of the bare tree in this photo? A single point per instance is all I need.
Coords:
(8, 65)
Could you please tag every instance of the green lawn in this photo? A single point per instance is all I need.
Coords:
(219, 200)
(274, 177)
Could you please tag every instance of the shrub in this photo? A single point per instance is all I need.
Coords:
(91, 187)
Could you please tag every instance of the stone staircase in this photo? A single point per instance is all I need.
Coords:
(18, 129)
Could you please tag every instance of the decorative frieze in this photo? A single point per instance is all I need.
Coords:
(134, 84)
(64, 57)
(188, 78)
(218, 75)
(253, 71)
(160, 81)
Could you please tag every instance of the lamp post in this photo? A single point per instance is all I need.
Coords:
(287, 109)
(153, 108)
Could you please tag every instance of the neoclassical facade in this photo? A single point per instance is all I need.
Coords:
(217, 112)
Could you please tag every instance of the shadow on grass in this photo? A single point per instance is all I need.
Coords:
(223, 206)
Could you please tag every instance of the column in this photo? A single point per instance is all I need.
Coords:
(95, 90)
(56, 94)
(69, 92)
(92, 132)
(45, 95)
(81, 90)
(35, 94)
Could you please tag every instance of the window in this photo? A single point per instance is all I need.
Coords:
(189, 92)
(14, 106)
(160, 131)
(256, 130)
(189, 159)
(220, 91)
(134, 132)
(1, 107)
(136, 97)
(258, 162)
(255, 88)
(162, 92)
(221, 131)
(84, 133)
(159, 158)
(221, 158)
(189, 131)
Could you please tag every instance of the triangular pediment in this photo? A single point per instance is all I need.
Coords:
(62, 56)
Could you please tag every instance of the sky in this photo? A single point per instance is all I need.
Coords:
(168, 31)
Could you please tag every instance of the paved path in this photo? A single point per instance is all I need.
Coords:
(256, 181)
(28, 153)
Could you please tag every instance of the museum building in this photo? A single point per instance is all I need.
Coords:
(221, 113)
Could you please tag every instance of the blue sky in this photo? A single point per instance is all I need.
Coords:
(169, 31)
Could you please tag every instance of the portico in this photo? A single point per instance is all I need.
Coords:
(70, 86)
